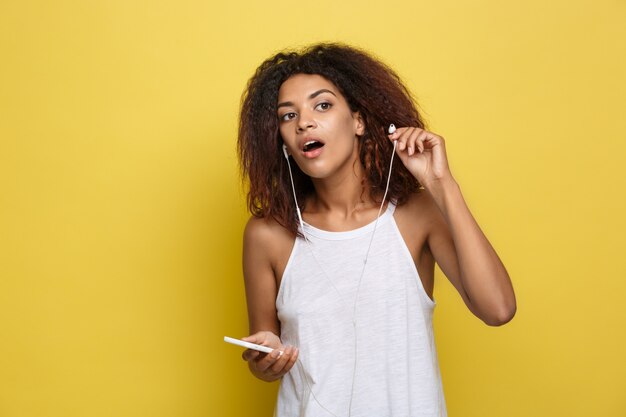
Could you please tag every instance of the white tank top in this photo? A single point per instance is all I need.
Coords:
(397, 371)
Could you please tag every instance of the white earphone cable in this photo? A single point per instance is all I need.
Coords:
(309, 245)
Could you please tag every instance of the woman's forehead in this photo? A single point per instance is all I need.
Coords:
(300, 86)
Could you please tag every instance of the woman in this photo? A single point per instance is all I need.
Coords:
(344, 294)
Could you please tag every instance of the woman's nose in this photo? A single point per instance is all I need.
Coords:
(306, 121)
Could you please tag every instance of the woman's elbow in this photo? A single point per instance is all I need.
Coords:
(504, 316)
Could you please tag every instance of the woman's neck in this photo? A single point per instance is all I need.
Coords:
(345, 196)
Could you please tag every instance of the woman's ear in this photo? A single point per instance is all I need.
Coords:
(359, 124)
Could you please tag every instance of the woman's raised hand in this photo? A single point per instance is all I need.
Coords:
(423, 153)
(269, 366)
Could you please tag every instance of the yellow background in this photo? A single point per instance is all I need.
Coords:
(121, 211)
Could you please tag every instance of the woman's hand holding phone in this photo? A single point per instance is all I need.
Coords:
(269, 366)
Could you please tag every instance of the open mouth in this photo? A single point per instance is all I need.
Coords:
(311, 145)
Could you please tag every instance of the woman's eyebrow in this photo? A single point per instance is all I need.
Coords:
(313, 95)
(318, 92)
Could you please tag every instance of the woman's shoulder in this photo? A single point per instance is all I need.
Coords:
(263, 228)
(418, 202)
(267, 234)
(267, 243)
(421, 210)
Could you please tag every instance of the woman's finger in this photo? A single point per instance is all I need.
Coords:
(264, 364)
(249, 354)
(396, 134)
(403, 136)
(292, 360)
(278, 366)
(411, 140)
(258, 338)
(419, 142)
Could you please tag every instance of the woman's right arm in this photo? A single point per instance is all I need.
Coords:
(260, 250)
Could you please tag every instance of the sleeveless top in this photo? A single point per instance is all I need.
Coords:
(392, 369)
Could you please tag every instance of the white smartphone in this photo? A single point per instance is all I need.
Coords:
(248, 345)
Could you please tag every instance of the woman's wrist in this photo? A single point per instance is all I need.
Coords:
(443, 190)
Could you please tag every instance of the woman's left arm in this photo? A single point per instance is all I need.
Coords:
(458, 244)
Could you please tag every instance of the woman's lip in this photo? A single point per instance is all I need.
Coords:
(314, 153)
(304, 141)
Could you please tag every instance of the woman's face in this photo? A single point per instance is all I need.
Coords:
(317, 125)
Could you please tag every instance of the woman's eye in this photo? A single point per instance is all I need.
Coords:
(324, 106)
(287, 116)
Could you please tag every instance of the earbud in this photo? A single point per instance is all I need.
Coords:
(285, 151)
(392, 128)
